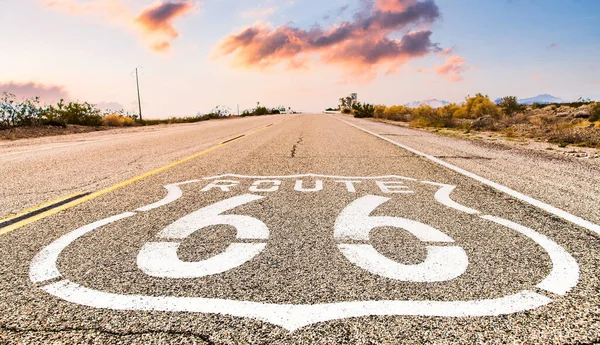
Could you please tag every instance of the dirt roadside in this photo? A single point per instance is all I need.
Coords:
(500, 138)
(27, 132)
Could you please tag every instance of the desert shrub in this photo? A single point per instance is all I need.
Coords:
(518, 119)
(510, 105)
(261, 111)
(346, 111)
(595, 113)
(426, 116)
(116, 120)
(380, 111)
(363, 110)
(398, 113)
(576, 135)
(478, 106)
(446, 114)
(74, 113)
(24, 113)
(537, 105)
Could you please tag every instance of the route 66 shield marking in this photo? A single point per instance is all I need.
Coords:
(445, 259)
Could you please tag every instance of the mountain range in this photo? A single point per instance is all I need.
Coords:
(434, 103)
(541, 99)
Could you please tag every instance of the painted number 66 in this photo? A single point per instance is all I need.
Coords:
(160, 259)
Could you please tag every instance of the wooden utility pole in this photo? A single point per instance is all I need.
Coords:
(137, 81)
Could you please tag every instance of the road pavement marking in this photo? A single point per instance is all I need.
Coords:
(565, 270)
(159, 259)
(234, 139)
(525, 198)
(355, 224)
(43, 269)
(35, 210)
(104, 191)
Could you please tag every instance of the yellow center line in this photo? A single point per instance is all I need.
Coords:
(39, 207)
(104, 191)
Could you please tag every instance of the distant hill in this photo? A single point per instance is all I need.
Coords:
(541, 99)
(434, 103)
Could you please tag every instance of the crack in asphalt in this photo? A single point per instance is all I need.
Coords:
(465, 157)
(295, 147)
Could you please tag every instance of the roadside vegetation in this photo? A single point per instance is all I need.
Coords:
(28, 117)
(576, 123)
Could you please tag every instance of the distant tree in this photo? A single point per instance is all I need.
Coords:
(363, 110)
(478, 106)
(595, 113)
(510, 105)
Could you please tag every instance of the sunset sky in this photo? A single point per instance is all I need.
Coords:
(299, 53)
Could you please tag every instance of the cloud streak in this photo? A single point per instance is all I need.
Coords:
(154, 24)
(47, 93)
(453, 68)
(363, 45)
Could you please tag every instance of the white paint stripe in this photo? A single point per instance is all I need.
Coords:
(565, 270)
(247, 227)
(313, 175)
(443, 196)
(173, 194)
(43, 266)
(159, 259)
(293, 317)
(441, 264)
(542, 205)
(354, 222)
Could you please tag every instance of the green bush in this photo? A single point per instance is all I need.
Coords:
(25, 113)
(595, 113)
(510, 105)
(363, 110)
(261, 111)
(74, 113)
(477, 107)
(346, 111)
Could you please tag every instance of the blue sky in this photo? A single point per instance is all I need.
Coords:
(86, 50)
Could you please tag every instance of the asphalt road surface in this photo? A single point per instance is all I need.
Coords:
(310, 229)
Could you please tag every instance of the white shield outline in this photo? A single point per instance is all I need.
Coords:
(562, 278)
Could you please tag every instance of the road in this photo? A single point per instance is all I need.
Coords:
(310, 229)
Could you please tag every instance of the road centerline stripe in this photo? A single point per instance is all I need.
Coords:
(34, 210)
(94, 195)
(234, 139)
(518, 195)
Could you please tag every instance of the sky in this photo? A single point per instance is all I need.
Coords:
(194, 55)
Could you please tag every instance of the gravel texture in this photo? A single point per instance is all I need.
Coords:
(301, 263)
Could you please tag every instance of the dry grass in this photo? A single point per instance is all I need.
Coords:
(115, 120)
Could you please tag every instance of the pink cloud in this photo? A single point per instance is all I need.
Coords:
(159, 18)
(361, 46)
(154, 24)
(47, 93)
(453, 68)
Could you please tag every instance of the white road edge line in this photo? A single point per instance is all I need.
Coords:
(525, 198)
(565, 270)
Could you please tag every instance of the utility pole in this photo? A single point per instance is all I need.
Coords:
(238, 109)
(137, 81)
